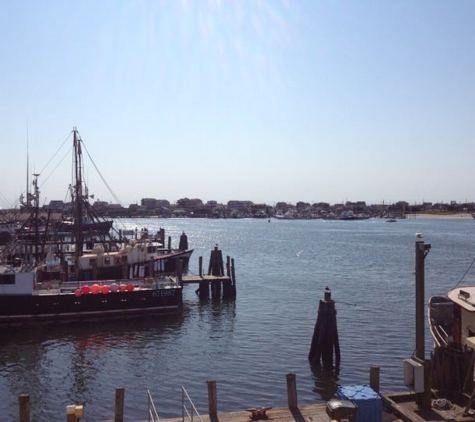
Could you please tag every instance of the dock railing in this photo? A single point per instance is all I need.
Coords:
(152, 411)
(188, 413)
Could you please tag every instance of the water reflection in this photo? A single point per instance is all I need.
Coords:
(63, 364)
(326, 381)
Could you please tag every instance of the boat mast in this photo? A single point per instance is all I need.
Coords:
(37, 216)
(77, 203)
(27, 166)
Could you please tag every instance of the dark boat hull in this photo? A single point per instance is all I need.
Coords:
(64, 307)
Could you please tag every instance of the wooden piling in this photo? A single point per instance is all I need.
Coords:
(179, 272)
(216, 262)
(374, 372)
(24, 405)
(200, 266)
(325, 335)
(292, 391)
(423, 399)
(212, 398)
(204, 289)
(119, 404)
(183, 245)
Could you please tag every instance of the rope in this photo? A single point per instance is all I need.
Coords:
(468, 269)
(442, 404)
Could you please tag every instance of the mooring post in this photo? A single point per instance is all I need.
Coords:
(179, 272)
(24, 404)
(424, 399)
(200, 266)
(216, 262)
(183, 245)
(119, 404)
(233, 276)
(212, 398)
(169, 243)
(374, 372)
(325, 335)
(292, 391)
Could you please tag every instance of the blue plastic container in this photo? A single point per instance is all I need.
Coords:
(370, 406)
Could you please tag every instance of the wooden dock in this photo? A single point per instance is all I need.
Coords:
(309, 413)
(396, 407)
(221, 283)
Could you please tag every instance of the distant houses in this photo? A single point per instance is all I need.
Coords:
(196, 208)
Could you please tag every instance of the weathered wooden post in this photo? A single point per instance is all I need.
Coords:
(292, 391)
(179, 272)
(216, 268)
(212, 398)
(24, 404)
(374, 372)
(424, 399)
(119, 404)
(183, 246)
(325, 335)
(200, 266)
(228, 287)
(216, 262)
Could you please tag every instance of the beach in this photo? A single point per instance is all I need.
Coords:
(446, 216)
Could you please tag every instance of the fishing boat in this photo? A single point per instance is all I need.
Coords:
(452, 318)
(8, 229)
(441, 320)
(25, 300)
(48, 283)
(452, 325)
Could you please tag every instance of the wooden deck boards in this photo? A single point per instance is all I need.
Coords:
(194, 279)
(308, 413)
(404, 405)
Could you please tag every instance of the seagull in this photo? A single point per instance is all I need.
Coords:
(418, 235)
(298, 253)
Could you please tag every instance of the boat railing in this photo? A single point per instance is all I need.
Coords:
(152, 410)
(188, 413)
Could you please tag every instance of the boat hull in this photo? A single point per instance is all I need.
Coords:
(64, 307)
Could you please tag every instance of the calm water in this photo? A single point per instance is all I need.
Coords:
(246, 345)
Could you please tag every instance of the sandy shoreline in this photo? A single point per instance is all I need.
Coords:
(454, 216)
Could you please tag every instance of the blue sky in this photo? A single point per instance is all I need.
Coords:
(261, 100)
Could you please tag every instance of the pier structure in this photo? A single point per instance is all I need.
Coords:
(221, 283)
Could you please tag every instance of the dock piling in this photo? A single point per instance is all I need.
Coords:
(374, 372)
(119, 404)
(292, 391)
(325, 335)
(24, 404)
(212, 398)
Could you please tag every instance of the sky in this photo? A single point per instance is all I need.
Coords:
(258, 100)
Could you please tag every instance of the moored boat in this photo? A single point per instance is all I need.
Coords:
(24, 300)
(41, 281)
(452, 325)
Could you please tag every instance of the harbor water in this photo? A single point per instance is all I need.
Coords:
(246, 345)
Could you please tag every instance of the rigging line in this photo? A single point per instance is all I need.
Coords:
(465, 273)
(361, 306)
(52, 171)
(105, 183)
(54, 155)
(102, 177)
